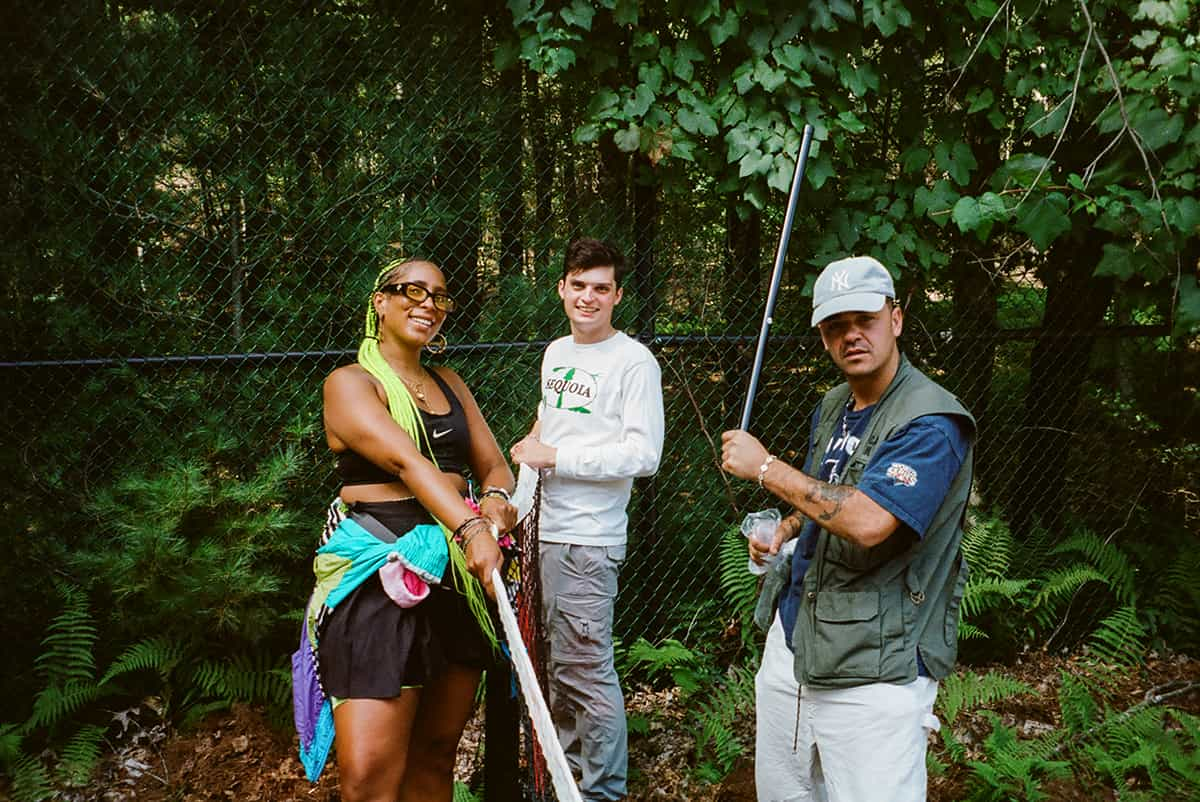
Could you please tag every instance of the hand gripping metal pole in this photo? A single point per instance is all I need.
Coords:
(777, 274)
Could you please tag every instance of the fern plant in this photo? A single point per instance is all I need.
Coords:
(718, 744)
(61, 721)
(1120, 638)
(1144, 749)
(1014, 769)
(688, 670)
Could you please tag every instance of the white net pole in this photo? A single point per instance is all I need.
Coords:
(543, 726)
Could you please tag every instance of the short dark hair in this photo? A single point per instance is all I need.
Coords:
(585, 253)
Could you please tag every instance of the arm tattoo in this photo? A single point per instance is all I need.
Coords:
(831, 496)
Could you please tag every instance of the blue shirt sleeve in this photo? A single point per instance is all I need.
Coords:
(911, 472)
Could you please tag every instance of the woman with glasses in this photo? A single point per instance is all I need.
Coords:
(400, 654)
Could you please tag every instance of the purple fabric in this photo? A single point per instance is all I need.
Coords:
(307, 696)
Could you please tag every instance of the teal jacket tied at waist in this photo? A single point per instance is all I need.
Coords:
(866, 611)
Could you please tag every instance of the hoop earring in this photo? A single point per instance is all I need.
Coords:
(436, 345)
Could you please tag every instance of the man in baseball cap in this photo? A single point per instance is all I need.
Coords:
(862, 620)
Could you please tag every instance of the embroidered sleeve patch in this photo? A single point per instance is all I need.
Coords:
(902, 474)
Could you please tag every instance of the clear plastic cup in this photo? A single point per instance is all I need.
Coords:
(761, 526)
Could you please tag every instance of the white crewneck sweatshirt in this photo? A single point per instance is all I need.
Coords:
(602, 409)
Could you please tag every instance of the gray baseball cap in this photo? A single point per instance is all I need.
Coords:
(854, 284)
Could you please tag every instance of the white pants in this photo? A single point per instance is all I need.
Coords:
(861, 744)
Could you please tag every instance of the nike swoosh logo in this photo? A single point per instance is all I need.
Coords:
(437, 434)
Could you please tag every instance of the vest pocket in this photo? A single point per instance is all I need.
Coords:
(960, 587)
(848, 637)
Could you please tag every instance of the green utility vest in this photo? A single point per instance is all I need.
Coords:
(866, 611)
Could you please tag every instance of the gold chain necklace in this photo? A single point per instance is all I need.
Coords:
(417, 387)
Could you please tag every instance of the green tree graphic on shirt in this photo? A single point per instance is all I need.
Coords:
(566, 381)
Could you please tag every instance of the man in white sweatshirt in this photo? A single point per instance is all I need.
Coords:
(600, 424)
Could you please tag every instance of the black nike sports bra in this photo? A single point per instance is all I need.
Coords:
(449, 440)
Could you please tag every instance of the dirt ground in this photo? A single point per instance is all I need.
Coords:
(237, 755)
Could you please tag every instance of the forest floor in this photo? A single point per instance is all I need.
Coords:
(238, 755)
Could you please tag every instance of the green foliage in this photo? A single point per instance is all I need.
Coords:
(463, 793)
(64, 710)
(1012, 770)
(80, 755)
(966, 691)
(671, 660)
(739, 586)
(1120, 638)
(67, 649)
(30, 780)
(260, 679)
(730, 702)
(198, 550)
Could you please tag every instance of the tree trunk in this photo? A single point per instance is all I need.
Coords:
(743, 277)
(511, 202)
(1059, 366)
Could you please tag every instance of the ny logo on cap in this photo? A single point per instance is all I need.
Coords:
(840, 280)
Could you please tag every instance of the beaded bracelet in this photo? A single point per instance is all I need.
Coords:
(496, 491)
(463, 542)
(762, 469)
(457, 537)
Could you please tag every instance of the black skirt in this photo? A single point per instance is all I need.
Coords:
(371, 648)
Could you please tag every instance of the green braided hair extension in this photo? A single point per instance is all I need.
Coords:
(403, 410)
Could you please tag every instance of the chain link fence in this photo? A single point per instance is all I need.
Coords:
(197, 197)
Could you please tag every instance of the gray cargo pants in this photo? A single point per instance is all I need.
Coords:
(579, 584)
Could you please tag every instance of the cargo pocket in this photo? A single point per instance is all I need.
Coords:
(581, 629)
(848, 638)
(960, 586)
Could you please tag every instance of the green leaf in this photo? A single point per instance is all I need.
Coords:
(703, 11)
(626, 12)
(627, 139)
(636, 106)
(966, 214)
(724, 29)
(790, 57)
(1116, 261)
(588, 132)
(651, 74)
(1145, 39)
(741, 140)
(559, 59)
(882, 232)
(822, 19)
(520, 9)
(579, 14)
(886, 15)
(818, 170)
(755, 163)
(1172, 59)
(914, 160)
(683, 150)
(696, 122)
(958, 161)
(755, 196)
(603, 104)
(1184, 214)
(1156, 128)
(849, 121)
(1187, 313)
(1044, 219)
(768, 77)
(1023, 167)
(936, 201)
(508, 53)
(760, 40)
(1164, 13)
(780, 177)
(980, 101)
